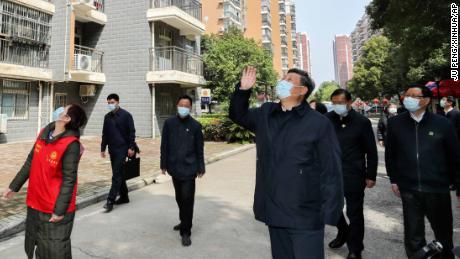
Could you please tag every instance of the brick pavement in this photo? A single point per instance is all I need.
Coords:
(94, 172)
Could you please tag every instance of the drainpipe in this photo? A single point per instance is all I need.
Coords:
(154, 116)
(40, 96)
(51, 108)
(66, 58)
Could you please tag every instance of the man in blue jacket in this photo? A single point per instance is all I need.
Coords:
(299, 176)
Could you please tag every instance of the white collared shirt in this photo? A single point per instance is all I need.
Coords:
(450, 109)
(417, 118)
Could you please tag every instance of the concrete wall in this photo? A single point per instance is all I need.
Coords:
(125, 41)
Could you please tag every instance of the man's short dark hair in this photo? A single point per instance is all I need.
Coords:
(305, 80)
(342, 92)
(182, 97)
(113, 97)
(425, 91)
(451, 99)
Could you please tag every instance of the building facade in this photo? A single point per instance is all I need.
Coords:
(272, 23)
(303, 44)
(80, 51)
(343, 62)
(360, 35)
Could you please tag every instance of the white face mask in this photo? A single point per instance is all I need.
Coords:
(392, 110)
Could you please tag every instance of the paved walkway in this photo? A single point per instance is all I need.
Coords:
(94, 173)
(224, 225)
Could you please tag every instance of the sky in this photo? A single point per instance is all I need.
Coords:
(322, 20)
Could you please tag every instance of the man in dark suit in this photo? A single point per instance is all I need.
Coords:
(119, 134)
(299, 177)
(359, 167)
(182, 156)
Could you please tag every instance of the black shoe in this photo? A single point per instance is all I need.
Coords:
(122, 200)
(108, 206)
(339, 241)
(186, 241)
(354, 256)
(176, 227)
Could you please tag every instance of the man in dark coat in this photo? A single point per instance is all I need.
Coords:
(422, 159)
(359, 167)
(299, 177)
(119, 134)
(453, 114)
(182, 156)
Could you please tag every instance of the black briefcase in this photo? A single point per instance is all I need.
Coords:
(132, 167)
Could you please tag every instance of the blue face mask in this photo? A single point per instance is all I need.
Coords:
(183, 111)
(340, 109)
(411, 104)
(283, 89)
(111, 107)
(58, 112)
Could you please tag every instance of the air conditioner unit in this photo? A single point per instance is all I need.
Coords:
(3, 123)
(82, 62)
(222, 29)
(87, 90)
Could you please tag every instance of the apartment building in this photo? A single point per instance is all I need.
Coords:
(343, 62)
(303, 44)
(360, 35)
(270, 22)
(146, 51)
(219, 15)
(25, 75)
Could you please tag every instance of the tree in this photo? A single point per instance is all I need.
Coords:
(420, 30)
(226, 56)
(325, 90)
(367, 82)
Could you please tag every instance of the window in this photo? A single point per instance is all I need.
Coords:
(60, 100)
(15, 99)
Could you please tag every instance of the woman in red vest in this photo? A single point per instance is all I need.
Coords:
(51, 169)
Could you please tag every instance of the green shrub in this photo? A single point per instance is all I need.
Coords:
(220, 128)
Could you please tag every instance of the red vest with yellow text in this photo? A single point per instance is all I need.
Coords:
(45, 177)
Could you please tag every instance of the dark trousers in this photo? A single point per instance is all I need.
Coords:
(119, 186)
(354, 230)
(289, 243)
(48, 240)
(185, 198)
(437, 208)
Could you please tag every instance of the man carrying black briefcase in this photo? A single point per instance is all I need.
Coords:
(119, 134)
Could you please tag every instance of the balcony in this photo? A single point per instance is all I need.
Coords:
(23, 61)
(87, 66)
(90, 11)
(184, 15)
(235, 3)
(28, 25)
(174, 65)
(45, 6)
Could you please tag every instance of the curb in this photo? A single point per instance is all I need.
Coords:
(16, 223)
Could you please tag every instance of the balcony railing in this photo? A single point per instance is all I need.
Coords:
(192, 7)
(87, 59)
(18, 21)
(24, 54)
(175, 58)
